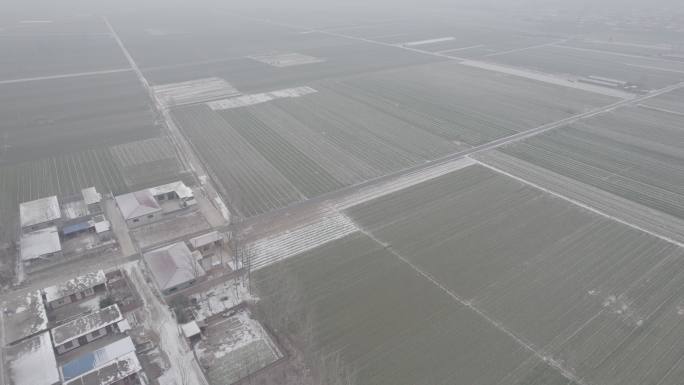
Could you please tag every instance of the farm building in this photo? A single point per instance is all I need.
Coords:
(74, 289)
(78, 213)
(24, 317)
(92, 199)
(107, 365)
(146, 206)
(40, 244)
(39, 214)
(174, 267)
(32, 362)
(83, 330)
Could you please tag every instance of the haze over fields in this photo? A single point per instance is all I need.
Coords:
(410, 192)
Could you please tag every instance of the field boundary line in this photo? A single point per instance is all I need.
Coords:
(468, 304)
(64, 76)
(553, 43)
(578, 203)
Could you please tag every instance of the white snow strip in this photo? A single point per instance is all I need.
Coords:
(429, 41)
(250, 100)
(194, 91)
(290, 243)
(403, 182)
(580, 204)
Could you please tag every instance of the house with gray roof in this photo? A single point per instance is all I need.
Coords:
(174, 267)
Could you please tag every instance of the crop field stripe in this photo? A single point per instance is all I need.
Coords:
(580, 204)
(468, 304)
(556, 42)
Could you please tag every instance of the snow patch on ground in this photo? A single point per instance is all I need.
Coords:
(306, 237)
(250, 100)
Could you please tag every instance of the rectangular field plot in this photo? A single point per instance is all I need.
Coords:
(449, 100)
(646, 73)
(45, 55)
(598, 299)
(52, 117)
(389, 324)
(634, 153)
(343, 59)
(250, 182)
(671, 102)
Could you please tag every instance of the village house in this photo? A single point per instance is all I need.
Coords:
(115, 363)
(209, 246)
(32, 362)
(74, 289)
(83, 213)
(174, 267)
(85, 329)
(150, 205)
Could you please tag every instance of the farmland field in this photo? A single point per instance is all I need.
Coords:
(478, 259)
(53, 55)
(634, 153)
(594, 294)
(58, 116)
(392, 325)
(647, 73)
(358, 128)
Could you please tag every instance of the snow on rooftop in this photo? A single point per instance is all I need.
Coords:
(96, 359)
(75, 209)
(86, 324)
(190, 329)
(173, 265)
(137, 204)
(91, 196)
(102, 226)
(205, 239)
(39, 243)
(178, 187)
(32, 362)
(39, 211)
(24, 316)
(114, 371)
(75, 285)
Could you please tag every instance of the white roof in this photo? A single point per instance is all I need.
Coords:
(190, 329)
(137, 204)
(205, 239)
(102, 226)
(32, 362)
(75, 285)
(173, 265)
(39, 211)
(25, 316)
(178, 187)
(86, 324)
(39, 243)
(90, 195)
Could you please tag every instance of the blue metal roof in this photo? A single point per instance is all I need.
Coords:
(95, 359)
(76, 228)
